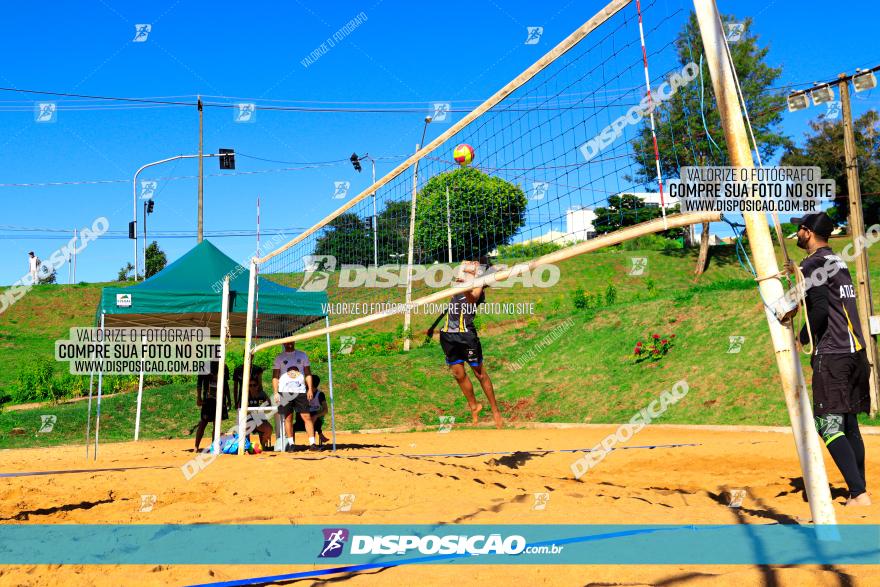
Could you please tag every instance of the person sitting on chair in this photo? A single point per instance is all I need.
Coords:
(256, 421)
(317, 410)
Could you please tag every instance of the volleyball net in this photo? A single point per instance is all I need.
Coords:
(562, 154)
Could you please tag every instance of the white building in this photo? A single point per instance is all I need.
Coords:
(578, 227)
(579, 220)
(579, 224)
(653, 198)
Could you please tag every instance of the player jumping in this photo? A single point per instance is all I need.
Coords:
(461, 344)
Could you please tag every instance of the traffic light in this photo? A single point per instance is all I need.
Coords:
(150, 205)
(131, 228)
(227, 158)
(356, 162)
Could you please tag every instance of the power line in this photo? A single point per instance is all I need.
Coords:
(320, 107)
(300, 167)
(66, 233)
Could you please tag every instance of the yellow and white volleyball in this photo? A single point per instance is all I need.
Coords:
(463, 154)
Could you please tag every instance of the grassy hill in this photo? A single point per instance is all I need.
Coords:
(586, 373)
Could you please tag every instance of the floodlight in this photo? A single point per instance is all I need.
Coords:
(864, 81)
(797, 102)
(822, 94)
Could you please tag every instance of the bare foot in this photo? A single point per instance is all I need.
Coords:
(499, 423)
(475, 413)
(861, 499)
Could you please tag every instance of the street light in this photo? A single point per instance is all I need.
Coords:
(356, 163)
(227, 161)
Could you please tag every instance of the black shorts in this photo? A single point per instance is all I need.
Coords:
(462, 347)
(209, 410)
(840, 384)
(298, 405)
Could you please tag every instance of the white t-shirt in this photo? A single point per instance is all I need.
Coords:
(34, 263)
(291, 384)
(297, 359)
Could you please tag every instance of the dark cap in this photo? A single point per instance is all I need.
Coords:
(819, 223)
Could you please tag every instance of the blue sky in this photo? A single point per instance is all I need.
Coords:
(403, 55)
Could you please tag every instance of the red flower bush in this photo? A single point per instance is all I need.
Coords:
(655, 350)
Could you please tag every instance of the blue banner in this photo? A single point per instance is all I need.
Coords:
(435, 544)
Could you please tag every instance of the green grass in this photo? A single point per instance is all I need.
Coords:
(587, 375)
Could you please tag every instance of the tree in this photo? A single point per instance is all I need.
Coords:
(49, 278)
(628, 210)
(485, 212)
(126, 273)
(155, 259)
(682, 137)
(824, 148)
(393, 230)
(349, 239)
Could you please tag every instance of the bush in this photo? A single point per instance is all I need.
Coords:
(526, 251)
(580, 301)
(655, 350)
(610, 295)
(34, 381)
(37, 382)
(723, 285)
(651, 242)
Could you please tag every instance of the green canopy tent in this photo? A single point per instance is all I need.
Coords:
(190, 293)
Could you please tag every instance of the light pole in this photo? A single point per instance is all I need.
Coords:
(356, 162)
(407, 316)
(227, 161)
(449, 226)
(148, 209)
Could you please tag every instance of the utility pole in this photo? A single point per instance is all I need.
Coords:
(782, 334)
(857, 230)
(201, 170)
(375, 220)
(74, 257)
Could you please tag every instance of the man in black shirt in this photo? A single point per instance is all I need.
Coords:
(840, 364)
(461, 344)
